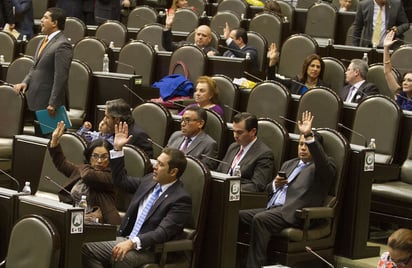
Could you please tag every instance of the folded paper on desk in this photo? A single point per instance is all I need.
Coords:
(48, 123)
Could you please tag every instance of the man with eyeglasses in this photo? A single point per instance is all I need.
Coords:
(399, 254)
(248, 154)
(192, 140)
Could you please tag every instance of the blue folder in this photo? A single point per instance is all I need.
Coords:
(48, 124)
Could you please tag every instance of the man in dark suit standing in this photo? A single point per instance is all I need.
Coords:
(236, 40)
(375, 18)
(307, 182)
(159, 210)
(357, 88)
(192, 140)
(203, 37)
(248, 155)
(46, 84)
(6, 13)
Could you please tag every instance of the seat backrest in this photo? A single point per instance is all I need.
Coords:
(137, 164)
(215, 39)
(288, 11)
(378, 117)
(33, 44)
(193, 57)
(336, 147)
(11, 109)
(216, 129)
(258, 41)
(325, 104)
(293, 53)
(112, 31)
(186, 20)
(400, 59)
(321, 20)
(39, 8)
(376, 75)
(18, 69)
(406, 169)
(334, 73)
(158, 125)
(270, 26)
(8, 46)
(146, 53)
(199, 6)
(228, 95)
(239, 7)
(91, 51)
(34, 242)
(140, 16)
(219, 20)
(75, 29)
(80, 86)
(73, 146)
(269, 99)
(276, 137)
(305, 3)
(407, 36)
(151, 33)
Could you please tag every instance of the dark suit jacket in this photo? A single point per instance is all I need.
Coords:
(106, 10)
(101, 189)
(24, 11)
(366, 89)
(6, 12)
(241, 53)
(169, 214)
(311, 186)
(47, 80)
(203, 144)
(395, 16)
(169, 45)
(294, 87)
(256, 167)
(140, 139)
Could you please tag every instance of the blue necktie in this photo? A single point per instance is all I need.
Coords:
(279, 197)
(139, 222)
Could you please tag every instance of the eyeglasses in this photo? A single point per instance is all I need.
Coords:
(187, 120)
(401, 263)
(102, 157)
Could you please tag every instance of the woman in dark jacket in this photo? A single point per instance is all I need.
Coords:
(312, 73)
(93, 179)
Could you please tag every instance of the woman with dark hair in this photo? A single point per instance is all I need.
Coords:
(312, 72)
(93, 179)
(399, 252)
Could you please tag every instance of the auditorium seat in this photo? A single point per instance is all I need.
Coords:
(33, 44)
(334, 73)
(75, 29)
(288, 11)
(193, 58)
(151, 33)
(228, 95)
(112, 31)
(239, 7)
(217, 130)
(219, 20)
(18, 69)
(186, 21)
(259, 42)
(90, 50)
(270, 26)
(140, 16)
(376, 75)
(8, 46)
(321, 20)
(400, 59)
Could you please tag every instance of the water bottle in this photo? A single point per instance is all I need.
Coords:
(247, 55)
(365, 57)
(24, 39)
(83, 203)
(156, 48)
(111, 45)
(2, 59)
(106, 63)
(372, 144)
(27, 188)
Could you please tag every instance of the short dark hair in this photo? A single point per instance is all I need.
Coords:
(96, 143)
(240, 32)
(250, 120)
(200, 112)
(177, 160)
(119, 108)
(58, 14)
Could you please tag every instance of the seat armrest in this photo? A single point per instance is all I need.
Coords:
(315, 213)
(174, 245)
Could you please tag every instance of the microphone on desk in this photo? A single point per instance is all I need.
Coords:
(155, 144)
(232, 109)
(288, 120)
(354, 132)
(128, 66)
(308, 249)
(134, 93)
(215, 159)
(253, 76)
(12, 178)
(62, 188)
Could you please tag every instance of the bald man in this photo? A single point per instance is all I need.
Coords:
(203, 38)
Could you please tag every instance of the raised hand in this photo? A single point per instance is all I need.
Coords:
(305, 125)
(388, 41)
(121, 132)
(57, 133)
(273, 54)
